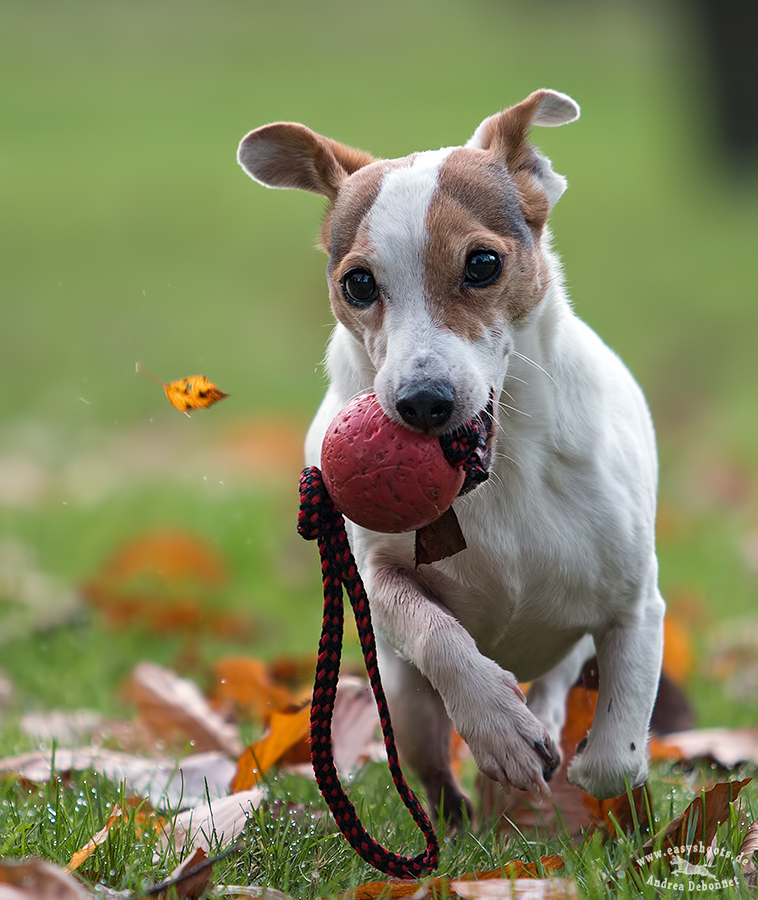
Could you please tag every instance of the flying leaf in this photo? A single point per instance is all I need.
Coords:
(187, 394)
(287, 728)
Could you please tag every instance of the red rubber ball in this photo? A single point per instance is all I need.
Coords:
(383, 476)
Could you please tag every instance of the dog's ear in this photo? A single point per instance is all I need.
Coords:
(289, 155)
(506, 135)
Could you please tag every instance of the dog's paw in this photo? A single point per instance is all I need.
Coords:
(507, 741)
(606, 774)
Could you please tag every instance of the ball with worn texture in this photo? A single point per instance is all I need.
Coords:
(383, 476)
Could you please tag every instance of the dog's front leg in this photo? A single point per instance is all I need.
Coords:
(629, 665)
(484, 702)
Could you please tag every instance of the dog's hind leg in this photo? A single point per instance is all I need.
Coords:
(422, 730)
(547, 695)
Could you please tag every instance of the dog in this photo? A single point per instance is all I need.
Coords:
(450, 305)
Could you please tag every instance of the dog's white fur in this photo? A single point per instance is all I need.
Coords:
(561, 560)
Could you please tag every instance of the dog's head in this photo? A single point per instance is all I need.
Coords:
(434, 258)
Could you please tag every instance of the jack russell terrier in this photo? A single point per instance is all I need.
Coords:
(450, 304)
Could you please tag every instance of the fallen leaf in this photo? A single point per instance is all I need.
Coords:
(747, 851)
(187, 394)
(700, 821)
(190, 878)
(165, 581)
(34, 879)
(678, 655)
(254, 891)
(516, 889)
(213, 824)
(175, 710)
(512, 880)
(355, 725)
(286, 729)
(165, 783)
(519, 869)
(82, 855)
(246, 684)
(727, 747)
(64, 728)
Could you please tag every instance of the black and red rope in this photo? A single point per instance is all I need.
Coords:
(320, 520)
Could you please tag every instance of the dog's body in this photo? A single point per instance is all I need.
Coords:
(450, 305)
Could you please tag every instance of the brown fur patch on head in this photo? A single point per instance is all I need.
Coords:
(478, 206)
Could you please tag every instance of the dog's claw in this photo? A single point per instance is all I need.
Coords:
(549, 757)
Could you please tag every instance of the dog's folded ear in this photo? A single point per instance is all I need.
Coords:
(506, 135)
(289, 155)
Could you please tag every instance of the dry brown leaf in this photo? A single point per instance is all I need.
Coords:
(165, 581)
(163, 782)
(186, 883)
(516, 889)
(394, 889)
(34, 879)
(748, 849)
(700, 821)
(175, 710)
(355, 725)
(82, 855)
(727, 747)
(187, 394)
(519, 869)
(286, 729)
(246, 684)
(249, 892)
(213, 824)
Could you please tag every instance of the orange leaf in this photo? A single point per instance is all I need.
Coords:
(678, 657)
(286, 729)
(96, 840)
(247, 683)
(517, 868)
(186, 394)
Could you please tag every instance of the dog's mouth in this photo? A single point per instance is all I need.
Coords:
(470, 446)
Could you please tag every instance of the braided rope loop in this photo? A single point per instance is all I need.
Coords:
(320, 520)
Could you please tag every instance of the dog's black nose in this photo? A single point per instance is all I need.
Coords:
(428, 408)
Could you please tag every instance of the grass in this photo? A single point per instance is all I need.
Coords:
(128, 233)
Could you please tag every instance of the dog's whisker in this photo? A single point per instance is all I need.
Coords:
(536, 365)
(506, 406)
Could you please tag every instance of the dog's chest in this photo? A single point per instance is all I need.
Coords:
(535, 577)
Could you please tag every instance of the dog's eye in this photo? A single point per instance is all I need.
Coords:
(482, 268)
(359, 287)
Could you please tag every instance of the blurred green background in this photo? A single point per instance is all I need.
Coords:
(128, 233)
